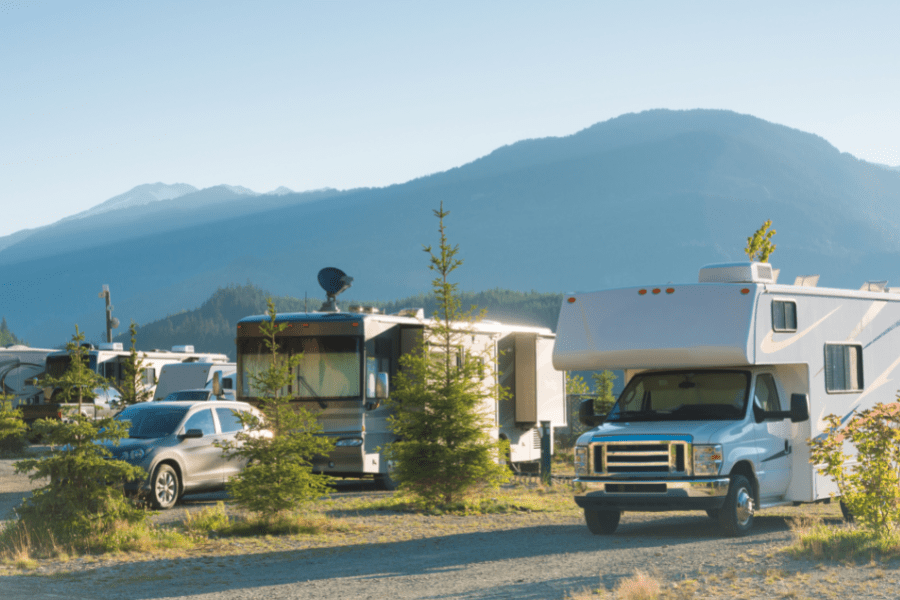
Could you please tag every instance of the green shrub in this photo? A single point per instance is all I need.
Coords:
(12, 429)
(870, 489)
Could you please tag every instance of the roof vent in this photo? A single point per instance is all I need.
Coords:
(806, 280)
(111, 346)
(185, 349)
(874, 286)
(755, 272)
(415, 313)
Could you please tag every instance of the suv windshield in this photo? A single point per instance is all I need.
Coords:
(152, 421)
(188, 395)
(683, 396)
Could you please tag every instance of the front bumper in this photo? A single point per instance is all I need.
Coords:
(653, 495)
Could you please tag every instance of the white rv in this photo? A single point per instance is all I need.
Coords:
(20, 368)
(197, 377)
(108, 360)
(721, 379)
(349, 360)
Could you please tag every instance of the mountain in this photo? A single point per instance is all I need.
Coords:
(642, 198)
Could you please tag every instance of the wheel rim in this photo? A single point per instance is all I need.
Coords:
(166, 487)
(744, 509)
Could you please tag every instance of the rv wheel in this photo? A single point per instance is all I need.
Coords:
(736, 515)
(845, 512)
(602, 522)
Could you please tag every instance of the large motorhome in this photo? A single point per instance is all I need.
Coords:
(721, 379)
(349, 361)
(20, 368)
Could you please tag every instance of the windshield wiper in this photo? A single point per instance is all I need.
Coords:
(309, 388)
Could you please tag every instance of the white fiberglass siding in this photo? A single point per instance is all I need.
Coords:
(678, 326)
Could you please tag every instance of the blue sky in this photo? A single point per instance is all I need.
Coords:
(98, 97)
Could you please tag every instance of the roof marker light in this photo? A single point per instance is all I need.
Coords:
(642, 292)
(745, 291)
(571, 300)
(670, 290)
(656, 290)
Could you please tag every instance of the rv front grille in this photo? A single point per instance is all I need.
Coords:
(662, 457)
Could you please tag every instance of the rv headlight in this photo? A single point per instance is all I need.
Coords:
(581, 460)
(707, 459)
(345, 442)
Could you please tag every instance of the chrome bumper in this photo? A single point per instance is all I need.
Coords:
(704, 488)
(652, 495)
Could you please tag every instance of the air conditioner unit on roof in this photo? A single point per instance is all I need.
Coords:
(748, 272)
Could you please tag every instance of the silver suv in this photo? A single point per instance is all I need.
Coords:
(174, 442)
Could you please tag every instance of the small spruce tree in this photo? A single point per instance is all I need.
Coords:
(78, 382)
(132, 389)
(12, 428)
(280, 447)
(441, 407)
(759, 245)
(83, 502)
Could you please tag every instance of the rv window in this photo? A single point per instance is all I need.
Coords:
(111, 370)
(149, 378)
(784, 315)
(843, 368)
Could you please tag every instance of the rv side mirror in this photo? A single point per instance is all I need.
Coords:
(217, 384)
(799, 408)
(586, 414)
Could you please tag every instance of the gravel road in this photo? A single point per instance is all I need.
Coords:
(527, 556)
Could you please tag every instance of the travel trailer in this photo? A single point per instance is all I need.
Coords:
(197, 376)
(349, 360)
(726, 380)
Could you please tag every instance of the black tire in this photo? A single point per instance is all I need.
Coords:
(602, 522)
(845, 512)
(736, 515)
(383, 481)
(713, 513)
(165, 488)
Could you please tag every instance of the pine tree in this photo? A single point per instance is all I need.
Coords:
(132, 388)
(78, 382)
(441, 413)
(605, 399)
(280, 447)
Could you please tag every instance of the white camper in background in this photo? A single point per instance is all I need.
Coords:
(721, 379)
(20, 368)
(349, 360)
(197, 377)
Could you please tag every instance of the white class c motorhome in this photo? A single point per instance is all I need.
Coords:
(726, 381)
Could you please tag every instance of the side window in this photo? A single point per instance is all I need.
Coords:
(149, 377)
(229, 420)
(766, 394)
(202, 420)
(784, 315)
(843, 368)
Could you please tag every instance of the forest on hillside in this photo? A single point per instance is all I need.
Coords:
(211, 327)
(7, 337)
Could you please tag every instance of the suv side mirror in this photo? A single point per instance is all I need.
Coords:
(192, 433)
(586, 414)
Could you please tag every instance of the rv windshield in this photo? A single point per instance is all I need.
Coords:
(330, 367)
(683, 396)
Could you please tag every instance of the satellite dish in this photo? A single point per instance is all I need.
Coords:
(333, 281)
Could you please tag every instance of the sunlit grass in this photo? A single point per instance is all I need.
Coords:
(814, 539)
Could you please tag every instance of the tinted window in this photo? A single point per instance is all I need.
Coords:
(228, 420)
(202, 420)
(843, 367)
(152, 421)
